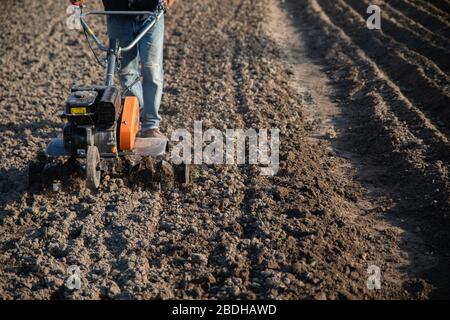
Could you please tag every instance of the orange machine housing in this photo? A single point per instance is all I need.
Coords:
(129, 126)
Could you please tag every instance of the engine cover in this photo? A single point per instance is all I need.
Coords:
(93, 113)
(108, 108)
(80, 107)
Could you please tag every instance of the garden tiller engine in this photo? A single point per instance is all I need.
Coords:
(102, 123)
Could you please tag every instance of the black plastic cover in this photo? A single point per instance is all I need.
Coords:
(79, 100)
(108, 108)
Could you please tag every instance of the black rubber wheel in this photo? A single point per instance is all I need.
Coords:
(93, 172)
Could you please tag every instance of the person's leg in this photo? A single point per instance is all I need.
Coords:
(151, 53)
(122, 28)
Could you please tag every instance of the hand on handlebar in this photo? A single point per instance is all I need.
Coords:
(77, 2)
(169, 3)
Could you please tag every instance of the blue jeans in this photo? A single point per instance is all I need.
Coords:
(149, 53)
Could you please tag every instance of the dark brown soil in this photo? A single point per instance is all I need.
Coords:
(373, 190)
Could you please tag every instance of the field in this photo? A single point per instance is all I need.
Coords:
(364, 117)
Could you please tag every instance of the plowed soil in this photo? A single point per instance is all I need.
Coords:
(364, 119)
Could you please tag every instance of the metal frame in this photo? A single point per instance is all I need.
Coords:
(114, 50)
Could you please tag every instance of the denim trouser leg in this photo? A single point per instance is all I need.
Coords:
(149, 52)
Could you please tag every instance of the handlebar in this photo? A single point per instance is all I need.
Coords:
(147, 28)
